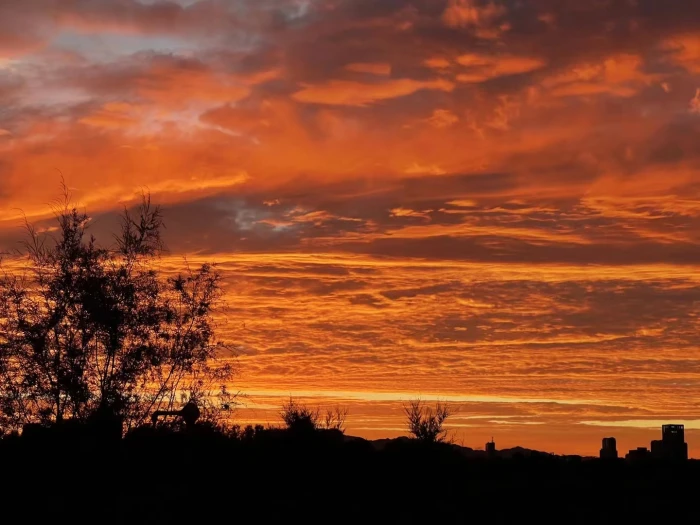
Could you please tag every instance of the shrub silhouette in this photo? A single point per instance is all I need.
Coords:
(335, 419)
(426, 424)
(299, 418)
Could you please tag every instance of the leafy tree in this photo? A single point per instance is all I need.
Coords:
(86, 327)
(425, 423)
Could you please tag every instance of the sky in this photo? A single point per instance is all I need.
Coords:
(495, 203)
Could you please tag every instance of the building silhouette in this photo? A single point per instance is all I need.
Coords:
(672, 445)
(609, 450)
(638, 454)
(490, 449)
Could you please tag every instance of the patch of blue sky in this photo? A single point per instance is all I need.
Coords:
(109, 46)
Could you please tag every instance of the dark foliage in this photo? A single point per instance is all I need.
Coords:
(300, 418)
(87, 328)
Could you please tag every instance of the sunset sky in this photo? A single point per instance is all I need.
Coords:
(495, 203)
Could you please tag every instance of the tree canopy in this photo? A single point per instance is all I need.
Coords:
(87, 326)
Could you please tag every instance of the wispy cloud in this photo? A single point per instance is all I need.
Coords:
(468, 197)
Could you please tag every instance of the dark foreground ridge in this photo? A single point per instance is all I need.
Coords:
(270, 475)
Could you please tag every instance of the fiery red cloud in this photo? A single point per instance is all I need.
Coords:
(489, 201)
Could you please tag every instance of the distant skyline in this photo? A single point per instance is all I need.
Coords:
(491, 202)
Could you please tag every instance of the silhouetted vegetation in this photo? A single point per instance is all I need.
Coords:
(335, 419)
(300, 418)
(426, 423)
(275, 474)
(88, 327)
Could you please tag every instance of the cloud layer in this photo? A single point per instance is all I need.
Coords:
(464, 141)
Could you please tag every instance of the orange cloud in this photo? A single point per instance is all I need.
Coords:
(619, 75)
(443, 118)
(437, 63)
(113, 115)
(403, 212)
(685, 50)
(370, 68)
(481, 68)
(469, 13)
(14, 45)
(371, 193)
(417, 169)
(695, 102)
(175, 85)
(347, 93)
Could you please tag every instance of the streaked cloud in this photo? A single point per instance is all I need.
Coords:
(482, 199)
(347, 93)
(370, 68)
(480, 68)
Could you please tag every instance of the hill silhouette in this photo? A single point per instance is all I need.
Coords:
(467, 452)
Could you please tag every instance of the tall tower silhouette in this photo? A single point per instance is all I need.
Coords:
(609, 450)
(491, 449)
(672, 445)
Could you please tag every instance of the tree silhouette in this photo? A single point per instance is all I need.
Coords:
(87, 326)
(299, 418)
(335, 419)
(426, 423)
